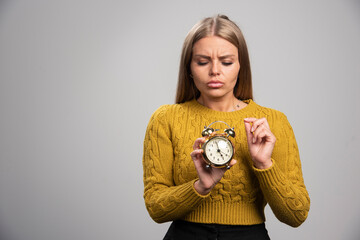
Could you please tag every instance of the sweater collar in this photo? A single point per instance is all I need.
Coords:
(244, 112)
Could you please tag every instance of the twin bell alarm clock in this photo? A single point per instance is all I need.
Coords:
(218, 149)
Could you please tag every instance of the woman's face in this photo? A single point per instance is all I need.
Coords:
(215, 67)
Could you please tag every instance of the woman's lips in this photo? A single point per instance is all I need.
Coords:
(215, 84)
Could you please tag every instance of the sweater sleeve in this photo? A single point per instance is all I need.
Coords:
(164, 201)
(282, 184)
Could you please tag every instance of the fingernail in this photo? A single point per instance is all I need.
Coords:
(252, 129)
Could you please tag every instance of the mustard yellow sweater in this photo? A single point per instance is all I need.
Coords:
(241, 195)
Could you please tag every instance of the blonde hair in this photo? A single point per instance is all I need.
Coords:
(223, 27)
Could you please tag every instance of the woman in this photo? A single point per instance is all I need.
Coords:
(215, 85)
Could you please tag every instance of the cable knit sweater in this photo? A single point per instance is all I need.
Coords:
(241, 195)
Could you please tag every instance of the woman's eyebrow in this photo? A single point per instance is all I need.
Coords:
(208, 57)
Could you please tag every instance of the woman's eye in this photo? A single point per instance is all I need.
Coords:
(202, 63)
(227, 63)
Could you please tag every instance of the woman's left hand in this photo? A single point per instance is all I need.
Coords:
(261, 141)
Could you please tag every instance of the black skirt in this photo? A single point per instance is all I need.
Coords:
(181, 230)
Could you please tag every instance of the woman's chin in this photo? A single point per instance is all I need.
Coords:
(216, 94)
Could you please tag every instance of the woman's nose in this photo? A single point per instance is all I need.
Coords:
(215, 69)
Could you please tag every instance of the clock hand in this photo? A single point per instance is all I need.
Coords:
(223, 152)
(217, 146)
(218, 149)
(220, 153)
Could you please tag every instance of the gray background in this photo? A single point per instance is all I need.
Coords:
(80, 79)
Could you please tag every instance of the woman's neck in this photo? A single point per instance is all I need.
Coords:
(222, 105)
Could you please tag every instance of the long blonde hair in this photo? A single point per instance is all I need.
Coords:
(223, 27)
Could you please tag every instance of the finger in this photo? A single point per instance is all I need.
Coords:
(254, 124)
(257, 132)
(259, 122)
(196, 153)
(262, 132)
(249, 135)
(198, 142)
(232, 162)
(250, 120)
(265, 122)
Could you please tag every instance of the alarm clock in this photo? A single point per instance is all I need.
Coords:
(218, 150)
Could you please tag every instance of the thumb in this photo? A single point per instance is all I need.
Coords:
(233, 162)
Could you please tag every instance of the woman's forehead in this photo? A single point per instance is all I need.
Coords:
(211, 45)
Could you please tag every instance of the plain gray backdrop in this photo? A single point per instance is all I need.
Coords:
(79, 81)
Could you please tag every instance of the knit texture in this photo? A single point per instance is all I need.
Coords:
(241, 195)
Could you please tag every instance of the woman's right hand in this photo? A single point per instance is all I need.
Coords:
(208, 177)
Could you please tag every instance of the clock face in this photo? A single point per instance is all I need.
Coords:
(218, 151)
